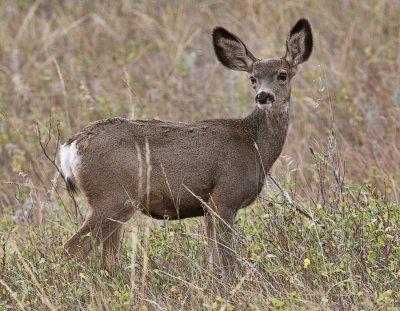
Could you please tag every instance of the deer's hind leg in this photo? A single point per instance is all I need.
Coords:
(102, 224)
(112, 233)
(111, 246)
(80, 244)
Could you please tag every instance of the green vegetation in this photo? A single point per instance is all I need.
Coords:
(77, 62)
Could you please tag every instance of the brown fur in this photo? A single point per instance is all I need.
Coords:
(214, 160)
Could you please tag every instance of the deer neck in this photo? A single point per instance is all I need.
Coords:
(268, 130)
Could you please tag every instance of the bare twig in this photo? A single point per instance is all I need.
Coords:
(283, 191)
(53, 158)
(288, 198)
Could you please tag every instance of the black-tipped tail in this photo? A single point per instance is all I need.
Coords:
(71, 186)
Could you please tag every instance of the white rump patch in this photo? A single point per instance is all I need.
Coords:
(69, 159)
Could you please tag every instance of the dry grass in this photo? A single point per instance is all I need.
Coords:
(81, 61)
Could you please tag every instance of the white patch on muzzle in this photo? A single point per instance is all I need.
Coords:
(264, 106)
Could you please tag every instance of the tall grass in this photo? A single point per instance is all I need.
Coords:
(81, 61)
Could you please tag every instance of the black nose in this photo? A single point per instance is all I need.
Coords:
(264, 97)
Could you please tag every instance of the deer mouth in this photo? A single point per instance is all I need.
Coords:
(265, 106)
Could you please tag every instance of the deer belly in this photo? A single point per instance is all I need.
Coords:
(162, 206)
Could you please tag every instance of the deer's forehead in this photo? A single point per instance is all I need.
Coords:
(267, 67)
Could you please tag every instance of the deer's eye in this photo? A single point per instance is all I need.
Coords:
(282, 77)
(252, 80)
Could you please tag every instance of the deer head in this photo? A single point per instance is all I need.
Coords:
(270, 77)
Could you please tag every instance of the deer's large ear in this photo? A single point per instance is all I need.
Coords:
(231, 51)
(299, 44)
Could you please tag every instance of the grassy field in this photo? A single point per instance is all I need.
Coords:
(73, 62)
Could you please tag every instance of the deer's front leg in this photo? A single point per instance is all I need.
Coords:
(225, 240)
(211, 241)
(219, 224)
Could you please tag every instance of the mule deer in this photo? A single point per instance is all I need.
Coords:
(220, 162)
